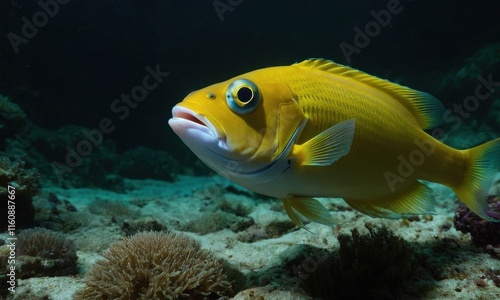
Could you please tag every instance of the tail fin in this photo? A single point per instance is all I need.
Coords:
(482, 163)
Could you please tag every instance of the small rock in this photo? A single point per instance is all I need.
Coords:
(480, 282)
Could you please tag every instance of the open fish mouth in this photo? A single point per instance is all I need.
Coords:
(193, 120)
(196, 127)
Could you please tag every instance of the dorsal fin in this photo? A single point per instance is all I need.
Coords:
(428, 111)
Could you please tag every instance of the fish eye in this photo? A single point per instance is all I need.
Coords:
(242, 96)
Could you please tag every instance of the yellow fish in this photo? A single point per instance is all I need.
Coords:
(321, 129)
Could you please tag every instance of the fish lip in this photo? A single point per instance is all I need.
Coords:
(196, 121)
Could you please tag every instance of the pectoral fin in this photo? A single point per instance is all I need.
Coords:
(310, 208)
(327, 147)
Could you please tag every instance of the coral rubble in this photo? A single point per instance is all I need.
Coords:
(483, 232)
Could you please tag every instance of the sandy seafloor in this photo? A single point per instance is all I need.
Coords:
(186, 199)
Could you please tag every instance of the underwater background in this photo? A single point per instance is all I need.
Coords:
(87, 88)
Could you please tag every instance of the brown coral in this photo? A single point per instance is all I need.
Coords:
(156, 265)
(42, 252)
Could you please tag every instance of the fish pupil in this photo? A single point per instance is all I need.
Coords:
(245, 94)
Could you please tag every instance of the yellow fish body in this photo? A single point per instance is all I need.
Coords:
(320, 129)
